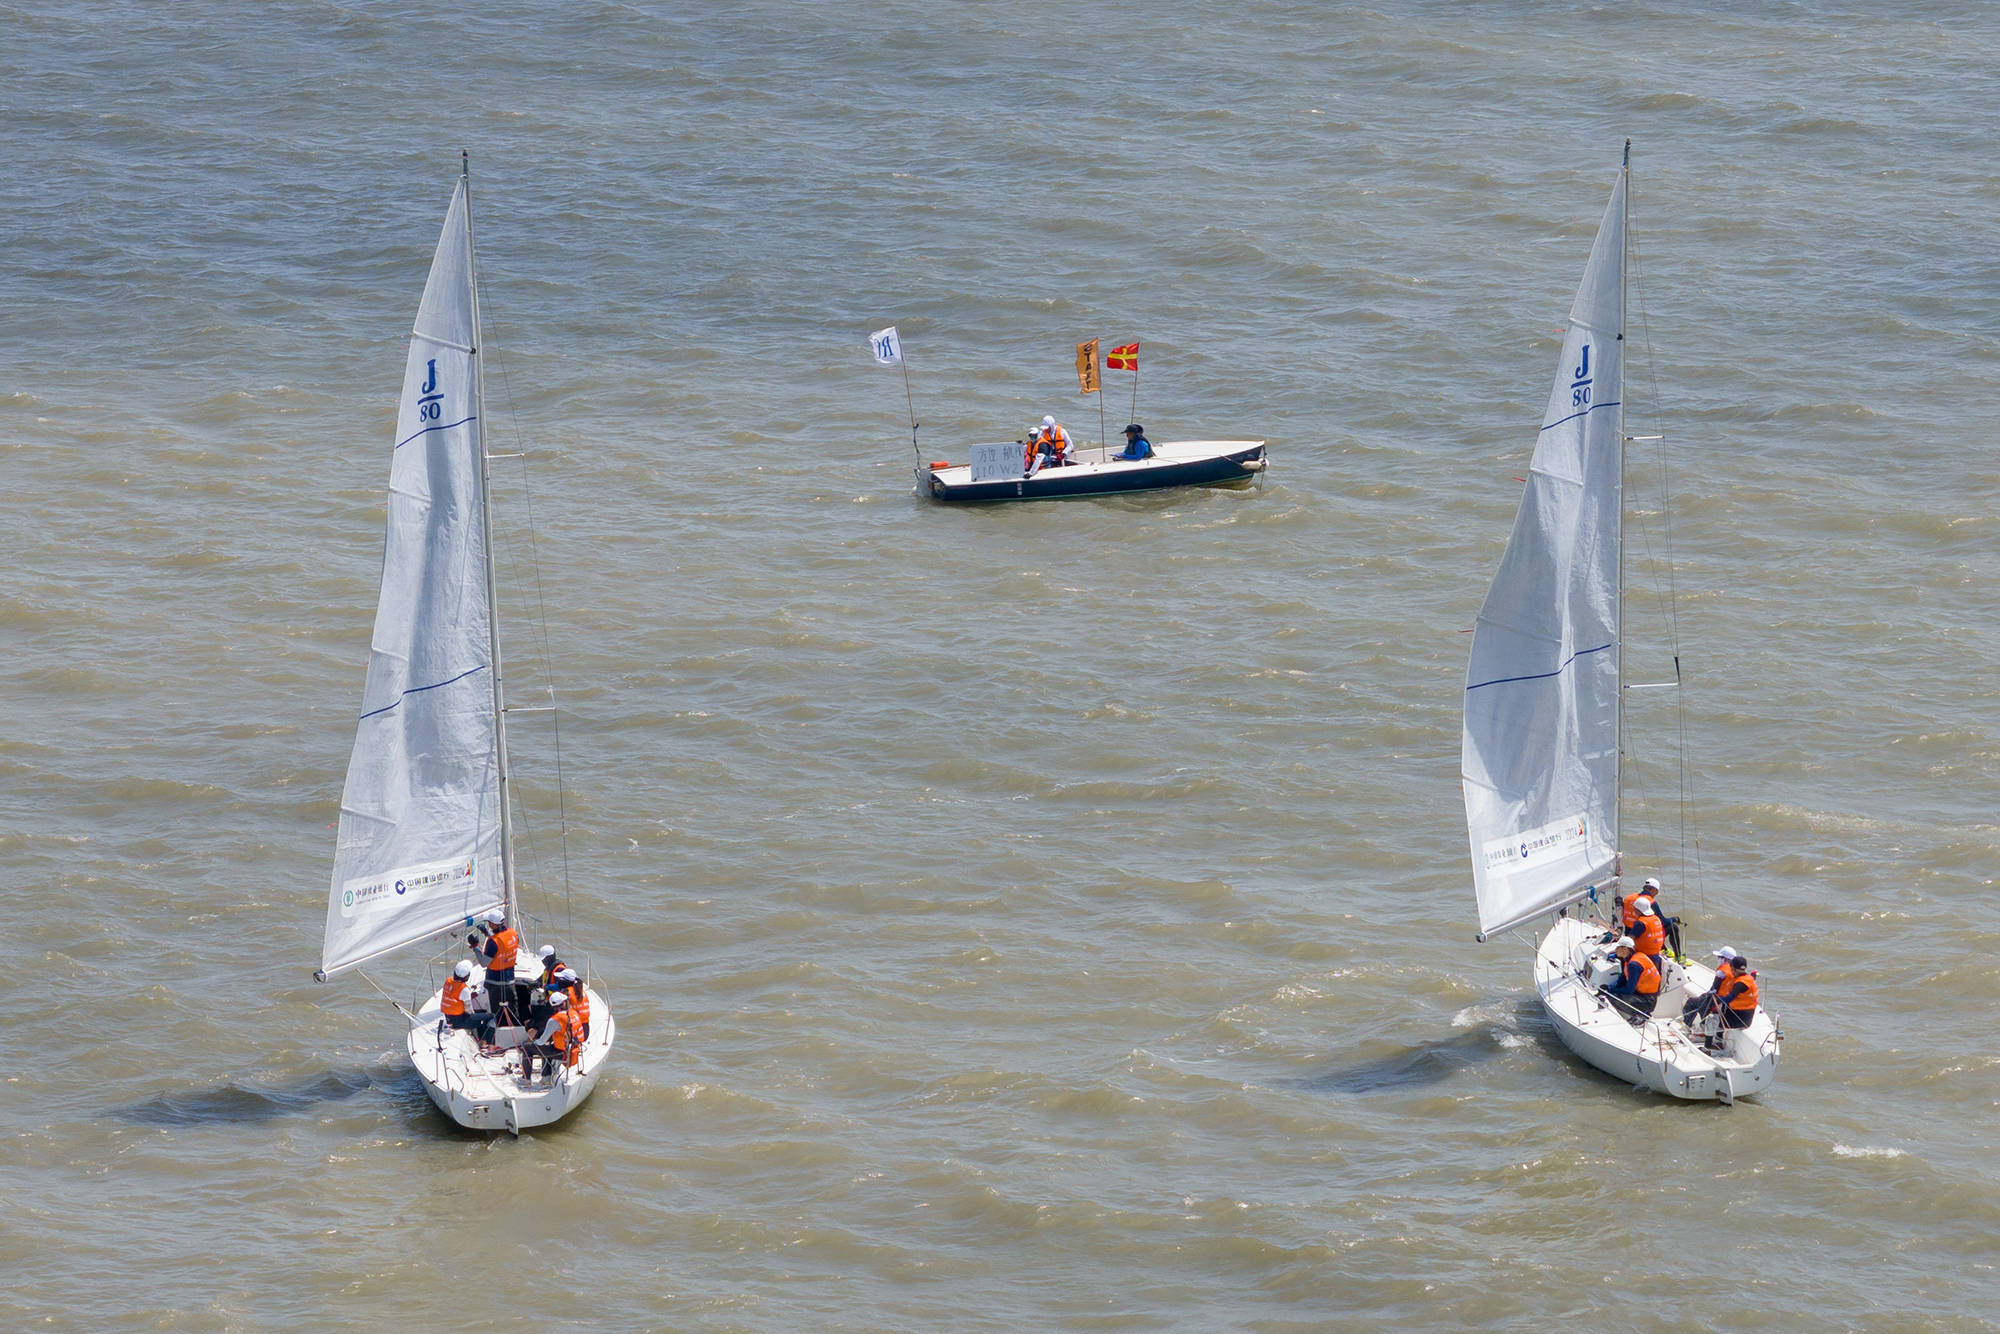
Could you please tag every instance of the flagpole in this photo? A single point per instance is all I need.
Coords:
(904, 359)
(1103, 441)
(1135, 389)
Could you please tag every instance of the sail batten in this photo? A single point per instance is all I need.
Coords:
(418, 849)
(1539, 754)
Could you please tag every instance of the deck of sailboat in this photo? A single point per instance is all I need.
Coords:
(482, 1089)
(1663, 1053)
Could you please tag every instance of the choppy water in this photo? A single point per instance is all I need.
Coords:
(1047, 917)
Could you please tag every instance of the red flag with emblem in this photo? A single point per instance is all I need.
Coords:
(1124, 358)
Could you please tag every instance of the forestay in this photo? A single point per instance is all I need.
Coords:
(1540, 746)
(419, 842)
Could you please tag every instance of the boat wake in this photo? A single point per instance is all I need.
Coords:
(240, 1104)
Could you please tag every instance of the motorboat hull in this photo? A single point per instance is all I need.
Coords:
(1663, 1054)
(1097, 473)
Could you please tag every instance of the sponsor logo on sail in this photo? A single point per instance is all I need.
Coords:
(409, 883)
(1537, 847)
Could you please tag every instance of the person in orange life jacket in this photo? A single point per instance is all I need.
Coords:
(500, 949)
(1738, 996)
(544, 979)
(452, 1003)
(553, 1041)
(1637, 989)
(579, 999)
(1725, 966)
(1137, 446)
(1050, 448)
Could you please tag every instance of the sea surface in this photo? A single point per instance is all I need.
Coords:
(1050, 917)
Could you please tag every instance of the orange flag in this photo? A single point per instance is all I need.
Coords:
(1086, 366)
(1124, 358)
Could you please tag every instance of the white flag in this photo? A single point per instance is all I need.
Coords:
(888, 347)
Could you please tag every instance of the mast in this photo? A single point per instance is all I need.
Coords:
(508, 890)
(1618, 605)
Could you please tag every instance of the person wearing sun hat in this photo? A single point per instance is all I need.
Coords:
(1725, 969)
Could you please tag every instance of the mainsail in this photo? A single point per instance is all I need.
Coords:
(419, 847)
(1540, 747)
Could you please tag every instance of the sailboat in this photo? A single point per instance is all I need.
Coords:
(426, 838)
(1544, 712)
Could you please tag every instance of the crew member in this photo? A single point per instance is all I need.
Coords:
(552, 1040)
(452, 1002)
(1137, 446)
(1051, 447)
(500, 948)
(1637, 989)
(551, 965)
(1738, 996)
(579, 999)
(1725, 967)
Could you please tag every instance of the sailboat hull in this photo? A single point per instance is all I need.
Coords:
(486, 1091)
(1663, 1054)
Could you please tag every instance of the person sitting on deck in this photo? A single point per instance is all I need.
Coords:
(1050, 447)
(1738, 996)
(1637, 989)
(452, 1004)
(1137, 446)
(551, 1041)
(1725, 962)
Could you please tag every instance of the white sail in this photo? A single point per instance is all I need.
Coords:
(1540, 746)
(420, 821)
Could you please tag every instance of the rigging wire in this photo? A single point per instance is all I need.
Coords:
(1685, 784)
(548, 661)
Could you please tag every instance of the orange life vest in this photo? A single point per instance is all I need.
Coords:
(454, 996)
(1649, 934)
(1649, 975)
(569, 1037)
(505, 945)
(1631, 909)
(579, 1003)
(1740, 992)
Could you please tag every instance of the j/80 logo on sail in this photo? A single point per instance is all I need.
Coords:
(1579, 387)
(430, 403)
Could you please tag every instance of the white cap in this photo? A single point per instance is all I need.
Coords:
(556, 999)
(463, 971)
(1048, 422)
(1651, 884)
(497, 917)
(566, 975)
(1725, 953)
(1625, 943)
(547, 952)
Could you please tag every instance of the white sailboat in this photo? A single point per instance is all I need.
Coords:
(1543, 715)
(426, 839)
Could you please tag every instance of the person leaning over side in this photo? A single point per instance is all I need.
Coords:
(1137, 446)
(1637, 989)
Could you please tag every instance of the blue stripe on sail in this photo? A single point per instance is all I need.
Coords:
(1552, 425)
(446, 427)
(418, 690)
(1539, 676)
